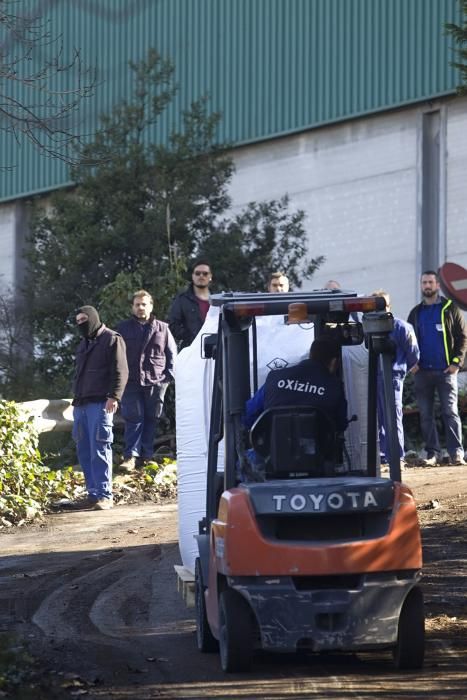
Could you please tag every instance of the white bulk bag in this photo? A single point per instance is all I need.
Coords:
(355, 371)
(193, 392)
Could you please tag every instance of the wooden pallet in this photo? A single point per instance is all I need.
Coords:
(186, 585)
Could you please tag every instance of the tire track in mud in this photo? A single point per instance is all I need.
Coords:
(107, 608)
(66, 613)
(52, 594)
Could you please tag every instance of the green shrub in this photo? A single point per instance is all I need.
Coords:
(26, 485)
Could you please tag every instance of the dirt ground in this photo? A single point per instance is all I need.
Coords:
(94, 596)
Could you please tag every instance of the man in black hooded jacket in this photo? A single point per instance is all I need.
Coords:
(189, 308)
(100, 378)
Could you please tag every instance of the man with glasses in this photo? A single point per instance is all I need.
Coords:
(190, 307)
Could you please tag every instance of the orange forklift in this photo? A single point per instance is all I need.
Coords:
(313, 553)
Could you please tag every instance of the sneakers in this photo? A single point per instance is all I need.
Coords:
(128, 464)
(144, 461)
(104, 504)
(81, 503)
(457, 460)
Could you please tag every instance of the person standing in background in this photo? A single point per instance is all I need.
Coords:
(278, 282)
(100, 379)
(189, 308)
(332, 284)
(442, 336)
(151, 352)
(406, 356)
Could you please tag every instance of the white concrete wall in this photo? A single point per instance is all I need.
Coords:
(456, 219)
(14, 231)
(8, 263)
(359, 183)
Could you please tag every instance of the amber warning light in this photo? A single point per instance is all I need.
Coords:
(298, 313)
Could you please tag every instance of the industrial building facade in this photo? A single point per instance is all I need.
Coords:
(349, 106)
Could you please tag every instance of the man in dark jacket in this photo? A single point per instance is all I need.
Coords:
(189, 308)
(442, 337)
(100, 378)
(310, 383)
(151, 352)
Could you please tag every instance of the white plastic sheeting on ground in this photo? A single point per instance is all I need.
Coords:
(277, 346)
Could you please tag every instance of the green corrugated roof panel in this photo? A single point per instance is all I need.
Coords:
(270, 66)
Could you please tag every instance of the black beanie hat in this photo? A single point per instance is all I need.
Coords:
(90, 327)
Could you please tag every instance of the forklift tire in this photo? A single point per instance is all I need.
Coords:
(409, 651)
(205, 640)
(236, 632)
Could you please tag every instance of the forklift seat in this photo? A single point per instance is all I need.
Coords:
(296, 440)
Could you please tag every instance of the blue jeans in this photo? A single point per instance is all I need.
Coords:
(93, 435)
(141, 407)
(398, 385)
(426, 383)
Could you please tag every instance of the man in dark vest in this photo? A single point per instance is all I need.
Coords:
(100, 378)
(151, 353)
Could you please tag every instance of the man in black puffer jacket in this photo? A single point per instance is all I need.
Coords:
(100, 378)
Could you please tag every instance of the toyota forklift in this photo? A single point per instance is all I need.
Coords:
(309, 553)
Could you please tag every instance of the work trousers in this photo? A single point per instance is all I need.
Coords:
(93, 435)
(398, 385)
(141, 407)
(426, 383)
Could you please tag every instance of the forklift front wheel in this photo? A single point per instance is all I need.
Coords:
(204, 638)
(236, 630)
(410, 649)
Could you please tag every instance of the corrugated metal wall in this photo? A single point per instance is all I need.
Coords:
(270, 66)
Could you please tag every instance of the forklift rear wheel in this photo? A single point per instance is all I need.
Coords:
(410, 649)
(204, 638)
(236, 640)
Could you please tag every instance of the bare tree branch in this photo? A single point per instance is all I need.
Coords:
(40, 87)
